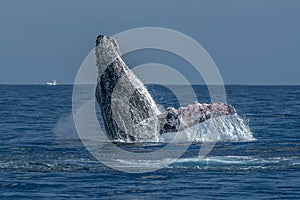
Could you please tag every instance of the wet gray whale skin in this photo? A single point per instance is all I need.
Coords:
(128, 110)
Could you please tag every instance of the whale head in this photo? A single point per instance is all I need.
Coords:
(107, 51)
(127, 108)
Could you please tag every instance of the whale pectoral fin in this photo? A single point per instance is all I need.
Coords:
(185, 117)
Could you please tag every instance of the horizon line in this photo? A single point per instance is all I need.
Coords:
(237, 84)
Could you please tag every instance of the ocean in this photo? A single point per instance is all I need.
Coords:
(42, 157)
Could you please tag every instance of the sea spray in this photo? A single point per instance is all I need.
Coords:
(229, 128)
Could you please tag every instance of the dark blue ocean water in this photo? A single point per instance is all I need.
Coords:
(41, 157)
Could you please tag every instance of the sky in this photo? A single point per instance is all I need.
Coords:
(251, 41)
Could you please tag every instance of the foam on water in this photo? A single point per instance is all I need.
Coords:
(242, 163)
(235, 163)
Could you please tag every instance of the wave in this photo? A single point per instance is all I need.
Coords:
(236, 163)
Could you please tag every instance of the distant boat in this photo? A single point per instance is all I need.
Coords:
(52, 82)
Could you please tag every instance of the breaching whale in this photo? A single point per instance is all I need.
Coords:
(128, 110)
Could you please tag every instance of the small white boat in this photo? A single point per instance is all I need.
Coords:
(52, 82)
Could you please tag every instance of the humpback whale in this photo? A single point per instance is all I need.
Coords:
(128, 110)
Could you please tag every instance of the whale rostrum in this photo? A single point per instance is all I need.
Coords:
(128, 110)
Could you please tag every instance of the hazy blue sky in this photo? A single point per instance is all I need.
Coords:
(252, 42)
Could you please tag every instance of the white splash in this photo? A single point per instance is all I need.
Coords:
(230, 128)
